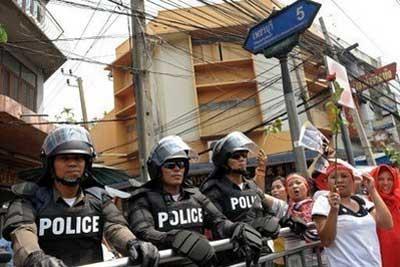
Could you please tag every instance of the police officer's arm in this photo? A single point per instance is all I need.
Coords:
(142, 223)
(116, 229)
(214, 219)
(273, 205)
(21, 229)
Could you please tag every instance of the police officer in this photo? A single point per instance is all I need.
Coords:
(238, 197)
(57, 221)
(170, 213)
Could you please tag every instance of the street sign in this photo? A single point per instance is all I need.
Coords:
(290, 20)
(376, 77)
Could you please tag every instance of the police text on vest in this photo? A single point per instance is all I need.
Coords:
(244, 202)
(69, 225)
(183, 216)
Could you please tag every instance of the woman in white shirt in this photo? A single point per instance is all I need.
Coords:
(347, 223)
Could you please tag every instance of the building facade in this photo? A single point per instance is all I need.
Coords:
(205, 85)
(27, 60)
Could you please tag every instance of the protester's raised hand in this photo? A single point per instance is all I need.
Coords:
(369, 182)
(334, 199)
(261, 157)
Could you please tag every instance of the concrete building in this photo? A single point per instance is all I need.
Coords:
(26, 62)
(205, 85)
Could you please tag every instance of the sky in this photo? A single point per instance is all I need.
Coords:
(374, 26)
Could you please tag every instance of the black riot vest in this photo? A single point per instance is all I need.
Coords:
(186, 213)
(72, 234)
(235, 203)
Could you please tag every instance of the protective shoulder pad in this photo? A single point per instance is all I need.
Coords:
(208, 184)
(139, 192)
(97, 192)
(25, 189)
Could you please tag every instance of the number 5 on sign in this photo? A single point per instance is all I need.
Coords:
(300, 13)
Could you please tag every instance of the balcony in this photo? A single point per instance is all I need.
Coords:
(37, 11)
(31, 29)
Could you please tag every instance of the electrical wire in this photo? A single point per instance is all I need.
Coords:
(20, 123)
(357, 26)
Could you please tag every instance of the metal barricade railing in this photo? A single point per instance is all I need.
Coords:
(168, 256)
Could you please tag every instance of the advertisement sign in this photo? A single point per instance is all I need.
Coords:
(378, 76)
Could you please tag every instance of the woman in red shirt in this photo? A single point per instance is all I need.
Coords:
(387, 182)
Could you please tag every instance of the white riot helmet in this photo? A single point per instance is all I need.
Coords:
(67, 139)
(233, 142)
(170, 147)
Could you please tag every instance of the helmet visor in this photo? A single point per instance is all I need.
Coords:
(174, 147)
(63, 135)
(237, 141)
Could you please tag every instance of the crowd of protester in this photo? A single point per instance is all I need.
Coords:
(357, 215)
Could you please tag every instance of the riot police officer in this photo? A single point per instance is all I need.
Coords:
(170, 213)
(57, 221)
(237, 196)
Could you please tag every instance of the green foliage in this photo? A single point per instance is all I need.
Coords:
(392, 154)
(333, 108)
(3, 35)
(275, 127)
(66, 115)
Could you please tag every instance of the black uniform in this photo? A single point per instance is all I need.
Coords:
(154, 216)
(72, 234)
(227, 196)
(241, 205)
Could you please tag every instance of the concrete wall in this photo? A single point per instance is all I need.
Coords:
(175, 93)
(273, 101)
(272, 97)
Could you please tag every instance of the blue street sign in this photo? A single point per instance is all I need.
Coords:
(292, 19)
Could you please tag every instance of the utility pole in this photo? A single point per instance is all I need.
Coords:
(144, 121)
(81, 94)
(290, 101)
(303, 89)
(354, 113)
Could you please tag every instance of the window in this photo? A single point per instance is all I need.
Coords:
(23, 94)
(14, 86)
(5, 81)
(17, 81)
(11, 63)
(28, 76)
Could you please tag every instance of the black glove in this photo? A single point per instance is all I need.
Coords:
(4, 256)
(247, 242)
(39, 259)
(296, 224)
(268, 226)
(194, 246)
(143, 252)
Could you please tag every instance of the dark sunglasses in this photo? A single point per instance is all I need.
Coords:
(171, 164)
(239, 155)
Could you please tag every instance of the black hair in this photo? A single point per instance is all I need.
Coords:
(279, 178)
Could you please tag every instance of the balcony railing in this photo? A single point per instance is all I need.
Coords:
(37, 10)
